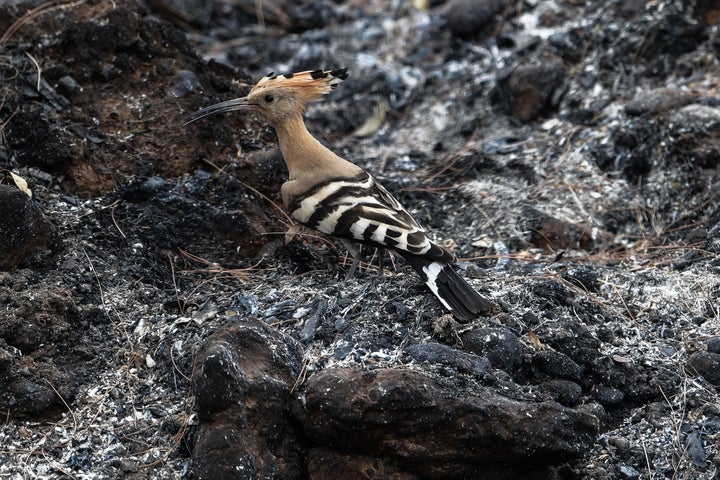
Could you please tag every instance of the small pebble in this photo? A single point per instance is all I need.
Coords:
(713, 345)
(67, 85)
(564, 392)
(499, 345)
(343, 350)
(466, 18)
(628, 473)
(282, 309)
(437, 353)
(557, 365)
(608, 397)
(23, 228)
(185, 83)
(707, 365)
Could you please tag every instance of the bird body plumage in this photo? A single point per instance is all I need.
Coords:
(360, 210)
(336, 197)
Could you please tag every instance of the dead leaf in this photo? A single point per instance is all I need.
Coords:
(535, 340)
(373, 123)
(21, 184)
(421, 5)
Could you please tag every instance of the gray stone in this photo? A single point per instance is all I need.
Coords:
(707, 365)
(467, 18)
(499, 345)
(608, 397)
(557, 365)
(533, 90)
(564, 392)
(433, 428)
(242, 382)
(24, 229)
(436, 353)
(713, 345)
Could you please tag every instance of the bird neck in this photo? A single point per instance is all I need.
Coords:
(302, 152)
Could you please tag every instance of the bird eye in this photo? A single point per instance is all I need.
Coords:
(269, 98)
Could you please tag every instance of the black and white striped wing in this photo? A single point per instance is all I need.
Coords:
(362, 211)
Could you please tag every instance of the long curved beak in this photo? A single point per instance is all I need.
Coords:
(240, 104)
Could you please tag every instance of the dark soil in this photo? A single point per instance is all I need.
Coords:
(569, 153)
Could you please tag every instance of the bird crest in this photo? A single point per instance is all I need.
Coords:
(310, 86)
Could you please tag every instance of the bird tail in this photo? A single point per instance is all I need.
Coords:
(450, 288)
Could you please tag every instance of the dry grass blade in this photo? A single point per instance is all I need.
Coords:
(256, 192)
(37, 67)
(214, 267)
(648, 465)
(677, 424)
(181, 306)
(112, 216)
(6, 122)
(446, 165)
(177, 439)
(627, 309)
(176, 369)
(260, 13)
(290, 224)
(34, 12)
(106, 308)
(298, 233)
(302, 375)
(270, 11)
(174, 14)
(75, 423)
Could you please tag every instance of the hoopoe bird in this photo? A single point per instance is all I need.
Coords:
(336, 197)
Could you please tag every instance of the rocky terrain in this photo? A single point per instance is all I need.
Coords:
(162, 317)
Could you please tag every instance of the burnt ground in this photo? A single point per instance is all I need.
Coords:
(568, 152)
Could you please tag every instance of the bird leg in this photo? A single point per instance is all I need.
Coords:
(381, 260)
(354, 250)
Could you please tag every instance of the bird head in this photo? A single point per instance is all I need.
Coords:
(277, 97)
